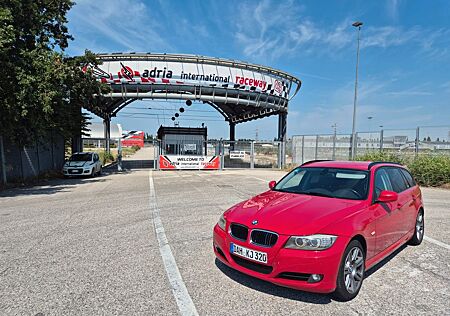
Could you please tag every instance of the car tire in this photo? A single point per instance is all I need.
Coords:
(419, 229)
(351, 272)
(93, 173)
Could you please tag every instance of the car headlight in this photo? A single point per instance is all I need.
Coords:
(313, 242)
(222, 222)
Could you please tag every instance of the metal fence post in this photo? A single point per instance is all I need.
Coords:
(317, 145)
(334, 147)
(303, 149)
(221, 154)
(417, 141)
(252, 154)
(381, 140)
(3, 161)
(355, 150)
(38, 160)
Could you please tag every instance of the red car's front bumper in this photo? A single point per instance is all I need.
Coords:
(282, 260)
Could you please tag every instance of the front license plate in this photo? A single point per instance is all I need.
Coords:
(251, 254)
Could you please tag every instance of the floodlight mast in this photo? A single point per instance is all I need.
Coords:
(358, 25)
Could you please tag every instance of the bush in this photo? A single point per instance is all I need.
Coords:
(428, 170)
(135, 148)
(431, 170)
(381, 156)
(105, 157)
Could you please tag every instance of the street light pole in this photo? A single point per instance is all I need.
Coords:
(357, 24)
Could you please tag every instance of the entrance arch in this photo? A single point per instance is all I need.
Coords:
(239, 91)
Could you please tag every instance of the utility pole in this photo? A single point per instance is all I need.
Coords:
(334, 126)
(358, 25)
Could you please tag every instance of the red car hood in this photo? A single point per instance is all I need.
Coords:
(292, 214)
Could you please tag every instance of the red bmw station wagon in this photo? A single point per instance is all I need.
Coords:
(323, 225)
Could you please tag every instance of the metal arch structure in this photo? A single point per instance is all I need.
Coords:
(239, 91)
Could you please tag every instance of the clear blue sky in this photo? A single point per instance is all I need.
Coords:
(404, 69)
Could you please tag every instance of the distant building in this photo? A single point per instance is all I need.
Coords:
(133, 138)
(95, 135)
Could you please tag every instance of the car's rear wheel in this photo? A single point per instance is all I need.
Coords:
(351, 272)
(417, 238)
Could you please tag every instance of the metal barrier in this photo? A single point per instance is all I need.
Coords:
(434, 140)
(18, 163)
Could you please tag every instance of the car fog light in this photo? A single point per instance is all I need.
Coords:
(314, 278)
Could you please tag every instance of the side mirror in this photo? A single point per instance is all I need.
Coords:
(387, 196)
(272, 184)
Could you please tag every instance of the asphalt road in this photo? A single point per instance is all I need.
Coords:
(89, 247)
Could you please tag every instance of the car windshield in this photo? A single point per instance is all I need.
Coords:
(81, 157)
(328, 182)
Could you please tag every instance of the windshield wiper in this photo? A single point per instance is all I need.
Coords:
(316, 193)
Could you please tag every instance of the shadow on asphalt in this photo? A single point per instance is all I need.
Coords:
(292, 294)
(56, 185)
(381, 264)
(272, 289)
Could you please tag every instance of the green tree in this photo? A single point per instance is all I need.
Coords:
(40, 88)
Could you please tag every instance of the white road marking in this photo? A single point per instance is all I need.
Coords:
(185, 304)
(437, 242)
(263, 180)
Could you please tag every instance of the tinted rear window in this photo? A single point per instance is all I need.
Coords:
(397, 180)
(408, 177)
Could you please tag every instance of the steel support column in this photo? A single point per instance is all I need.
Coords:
(232, 135)
(232, 131)
(107, 130)
(282, 132)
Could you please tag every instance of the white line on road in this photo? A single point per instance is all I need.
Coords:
(179, 290)
(437, 242)
(259, 179)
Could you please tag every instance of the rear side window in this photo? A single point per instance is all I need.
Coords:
(398, 181)
(408, 177)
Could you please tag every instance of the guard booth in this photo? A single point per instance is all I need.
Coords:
(185, 148)
(183, 140)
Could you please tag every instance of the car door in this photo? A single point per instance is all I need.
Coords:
(400, 186)
(414, 193)
(387, 214)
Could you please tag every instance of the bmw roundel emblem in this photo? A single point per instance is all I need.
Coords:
(255, 222)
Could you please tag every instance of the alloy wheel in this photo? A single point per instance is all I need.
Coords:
(419, 226)
(354, 270)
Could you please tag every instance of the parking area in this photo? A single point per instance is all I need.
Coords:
(140, 242)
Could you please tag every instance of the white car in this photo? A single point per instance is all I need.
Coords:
(83, 164)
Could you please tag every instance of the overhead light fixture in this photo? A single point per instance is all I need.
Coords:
(177, 115)
(188, 102)
(173, 118)
(181, 110)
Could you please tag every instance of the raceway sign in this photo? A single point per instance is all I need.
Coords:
(179, 73)
(173, 162)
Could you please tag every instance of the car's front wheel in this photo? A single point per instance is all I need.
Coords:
(417, 238)
(351, 272)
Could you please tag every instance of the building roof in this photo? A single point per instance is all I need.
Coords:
(97, 131)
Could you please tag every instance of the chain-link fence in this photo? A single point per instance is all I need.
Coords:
(433, 140)
(18, 163)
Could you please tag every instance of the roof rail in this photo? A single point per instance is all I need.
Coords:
(373, 163)
(312, 161)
